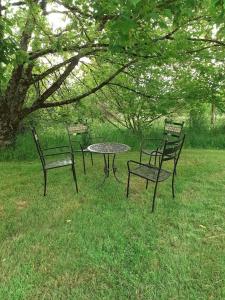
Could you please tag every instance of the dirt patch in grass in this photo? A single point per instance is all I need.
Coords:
(21, 204)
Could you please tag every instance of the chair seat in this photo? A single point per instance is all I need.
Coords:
(59, 163)
(150, 172)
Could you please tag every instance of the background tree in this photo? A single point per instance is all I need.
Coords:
(114, 35)
(139, 97)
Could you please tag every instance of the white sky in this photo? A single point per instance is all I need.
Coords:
(57, 21)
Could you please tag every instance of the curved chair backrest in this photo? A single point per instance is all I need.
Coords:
(38, 146)
(173, 129)
(76, 130)
(172, 150)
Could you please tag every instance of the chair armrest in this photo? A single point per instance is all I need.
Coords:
(136, 163)
(56, 147)
(150, 139)
(59, 153)
(153, 139)
(157, 150)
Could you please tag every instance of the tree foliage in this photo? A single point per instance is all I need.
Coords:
(95, 44)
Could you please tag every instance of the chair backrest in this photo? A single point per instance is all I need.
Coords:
(38, 146)
(173, 129)
(76, 130)
(172, 150)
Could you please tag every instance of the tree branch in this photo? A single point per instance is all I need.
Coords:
(18, 3)
(132, 90)
(214, 41)
(35, 55)
(62, 64)
(93, 90)
(221, 43)
(56, 85)
(38, 105)
(74, 9)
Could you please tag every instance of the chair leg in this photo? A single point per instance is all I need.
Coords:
(140, 156)
(146, 184)
(45, 182)
(128, 184)
(159, 159)
(153, 201)
(74, 177)
(84, 165)
(92, 162)
(173, 193)
(175, 170)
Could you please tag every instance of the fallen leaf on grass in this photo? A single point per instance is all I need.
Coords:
(202, 226)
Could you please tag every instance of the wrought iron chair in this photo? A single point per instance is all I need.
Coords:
(172, 131)
(80, 138)
(171, 151)
(45, 154)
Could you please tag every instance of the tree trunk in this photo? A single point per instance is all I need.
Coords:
(9, 124)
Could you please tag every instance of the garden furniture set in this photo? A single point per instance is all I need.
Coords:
(168, 149)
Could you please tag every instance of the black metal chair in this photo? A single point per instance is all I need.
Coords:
(80, 138)
(171, 151)
(45, 154)
(172, 131)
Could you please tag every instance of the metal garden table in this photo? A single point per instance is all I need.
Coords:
(108, 149)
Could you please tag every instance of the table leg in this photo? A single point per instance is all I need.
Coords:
(107, 168)
(106, 165)
(114, 169)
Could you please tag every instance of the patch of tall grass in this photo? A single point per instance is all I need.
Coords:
(55, 135)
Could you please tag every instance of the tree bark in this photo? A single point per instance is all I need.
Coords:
(9, 124)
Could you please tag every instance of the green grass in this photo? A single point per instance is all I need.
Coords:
(99, 245)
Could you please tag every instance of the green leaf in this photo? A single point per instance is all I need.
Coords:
(21, 57)
(134, 2)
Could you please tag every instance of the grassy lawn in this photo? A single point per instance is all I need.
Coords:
(99, 245)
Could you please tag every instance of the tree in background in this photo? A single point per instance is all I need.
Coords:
(40, 64)
(139, 97)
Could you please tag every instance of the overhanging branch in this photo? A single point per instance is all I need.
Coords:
(37, 54)
(56, 85)
(132, 90)
(62, 64)
(79, 97)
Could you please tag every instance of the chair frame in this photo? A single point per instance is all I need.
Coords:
(43, 156)
(171, 151)
(79, 129)
(173, 129)
(169, 132)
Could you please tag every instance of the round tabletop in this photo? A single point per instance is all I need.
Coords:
(108, 148)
